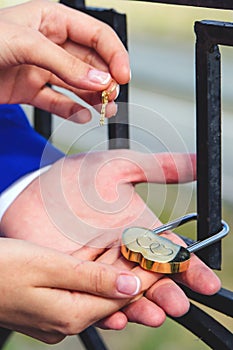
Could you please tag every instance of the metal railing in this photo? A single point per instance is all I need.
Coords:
(208, 124)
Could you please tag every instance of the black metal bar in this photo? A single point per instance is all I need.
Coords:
(209, 34)
(77, 4)
(207, 329)
(43, 122)
(92, 339)
(221, 301)
(118, 130)
(208, 99)
(4, 336)
(216, 4)
(215, 33)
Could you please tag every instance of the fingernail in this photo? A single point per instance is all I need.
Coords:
(111, 109)
(129, 285)
(81, 117)
(97, 76)
(117, 91)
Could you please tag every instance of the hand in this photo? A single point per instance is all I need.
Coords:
(47, 294)
(84, 202)
(43, 43)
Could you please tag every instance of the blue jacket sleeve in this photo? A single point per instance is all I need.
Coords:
(22, 149)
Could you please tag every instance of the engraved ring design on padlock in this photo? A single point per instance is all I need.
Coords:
(159, 254)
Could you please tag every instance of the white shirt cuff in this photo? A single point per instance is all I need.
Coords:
(9, 195)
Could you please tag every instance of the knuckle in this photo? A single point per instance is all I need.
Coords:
(68, 324)
(97, 280)
(98, 31)
(90, 57)
(72, 320)
(72, 326)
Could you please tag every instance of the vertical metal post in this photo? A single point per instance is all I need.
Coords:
(43, 122)
(118, 129)
(208, 97)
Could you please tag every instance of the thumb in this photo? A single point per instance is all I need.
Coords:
(66, 272)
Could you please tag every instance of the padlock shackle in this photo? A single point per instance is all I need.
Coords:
(210, 240)
(176, 223)
(196, 246)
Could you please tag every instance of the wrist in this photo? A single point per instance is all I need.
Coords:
(8, 196)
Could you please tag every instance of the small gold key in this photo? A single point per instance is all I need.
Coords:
(105, 97)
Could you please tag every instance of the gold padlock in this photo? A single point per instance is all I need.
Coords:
(153, 252)
(159, 254)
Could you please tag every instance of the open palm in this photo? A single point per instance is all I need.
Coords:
(82, 205)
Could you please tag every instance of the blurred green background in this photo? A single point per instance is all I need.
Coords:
(173, 27)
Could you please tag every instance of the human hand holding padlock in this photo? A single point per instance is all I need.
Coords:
(85, 218)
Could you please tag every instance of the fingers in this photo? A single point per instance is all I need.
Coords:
(151, 310)
(64, 106)
(142, 311)
(161, 167)
(61, 105)
(163, 298)
(136, 167)
(145, 312)
(85, 54)
(177, 167)
(163, 291)
(84, 30)
(86, 276)
(52, 284)
(53, 58)
(199, 277)
(103, 40)
(169, 297)
(42, 47)
(47, 268)
(87, 252)
(116, 321)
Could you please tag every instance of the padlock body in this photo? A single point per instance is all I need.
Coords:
(153, 252)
